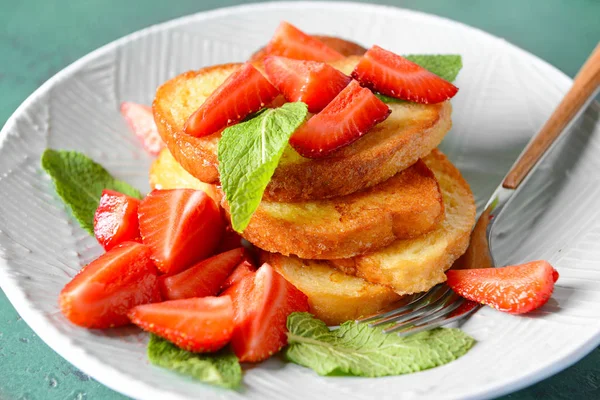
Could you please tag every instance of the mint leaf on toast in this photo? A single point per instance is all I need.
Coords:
(79, 182)
(356, 349)
(248, 154)
(221, 368)
(446, 66)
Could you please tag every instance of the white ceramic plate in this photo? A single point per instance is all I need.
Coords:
(505, 95)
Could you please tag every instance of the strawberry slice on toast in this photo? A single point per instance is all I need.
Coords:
(102, 293)
(203, 279)
(141, 121)
(311, 82)
(245, 91)
(180, 226)
(289, 41)
(351, 114)
(199, 324)
(115, 220)
(393, 75)
(516, 289)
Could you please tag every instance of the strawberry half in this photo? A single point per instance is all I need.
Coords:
(262, 303)
(115, 220)
(203, 279)
(516, 289)
(180, 226)
(394, 75)
(102, 293)
(310, 82)
(198, 325)
(353, 112)
(289, 41)
(243, 92)
(141, 121)
(244, 269)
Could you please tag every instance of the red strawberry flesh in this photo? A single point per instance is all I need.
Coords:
(141, 122)
(115, 220)
(244, 269)
(262, 303)
(311, 82)
(243, 92)
(197, 324)
(102, 293)
(515, 289)
(203, 279)
(180, 226)
(350, 115)
(289, 41)
(394, 75)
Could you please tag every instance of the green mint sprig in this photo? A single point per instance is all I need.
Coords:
(221, 368)
(359, 350)
(248, 154)
(79, 181)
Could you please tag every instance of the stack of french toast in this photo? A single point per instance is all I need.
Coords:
(383, 217)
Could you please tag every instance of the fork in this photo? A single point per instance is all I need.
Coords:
(440, 305)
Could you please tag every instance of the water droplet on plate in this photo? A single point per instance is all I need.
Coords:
(52, 381)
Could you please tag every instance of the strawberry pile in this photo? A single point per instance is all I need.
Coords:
(160, 272)
(345, 108)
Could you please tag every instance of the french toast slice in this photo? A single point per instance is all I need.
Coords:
(409, 133)
(333, 296)
(407, 205)
(416, 265)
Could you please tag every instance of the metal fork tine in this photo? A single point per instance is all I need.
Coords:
(439, 321)
(450, 303)
(396, 311)
(423, 307)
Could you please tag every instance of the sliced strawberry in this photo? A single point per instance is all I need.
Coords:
(199, 324)
(262, 306)
(310, 82)
(203, 279)
(244, 269)
(181, 227)
(349, 116)
(517, 289)
(230, 240)
(115, 220)
(289, 41)
(394, 75)
(102, 293)
(140, 120)
(244, 92)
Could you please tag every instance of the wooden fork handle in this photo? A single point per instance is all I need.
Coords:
(584, 86)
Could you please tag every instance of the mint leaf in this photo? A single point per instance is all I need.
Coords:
(221, 368)
(248, 154)
(446, 66)
(79, 182)
(356, 349)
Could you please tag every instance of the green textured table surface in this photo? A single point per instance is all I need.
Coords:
(38, 38)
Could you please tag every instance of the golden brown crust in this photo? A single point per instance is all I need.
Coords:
(405, 206)
(333, 296)
(416, 265)
(410, 133)
(345, 47)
